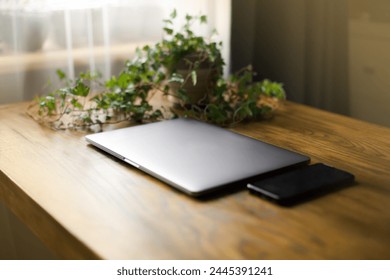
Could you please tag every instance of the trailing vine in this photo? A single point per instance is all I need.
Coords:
(155, 72)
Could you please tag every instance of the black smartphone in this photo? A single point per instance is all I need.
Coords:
(301, 184)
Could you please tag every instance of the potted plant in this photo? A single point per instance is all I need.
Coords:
(193, 63)
(183, 66)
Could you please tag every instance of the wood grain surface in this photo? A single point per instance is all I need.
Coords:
(84, 204)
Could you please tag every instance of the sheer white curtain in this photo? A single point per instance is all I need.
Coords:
(39, 36)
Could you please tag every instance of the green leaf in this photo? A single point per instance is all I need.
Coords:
(167, 30)
(182, 94)
(138, 52)
(160, 76)
(81, 89)
(203, 19)
(176, 78)
(156, 114)
(90, 76)
(87, 118)
(111, 82)
(248, 111)
(76, 103)
(166, 89)
(123, 80)
(50, 104)
(193, 77)
(216, 114)
(146, 48)
(173, 14)
(65, 91)
(60, 74)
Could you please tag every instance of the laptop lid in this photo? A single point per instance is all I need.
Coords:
(193, 156)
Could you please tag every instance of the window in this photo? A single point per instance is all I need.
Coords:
(78, 35)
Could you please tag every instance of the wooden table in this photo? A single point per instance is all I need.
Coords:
(84, 204)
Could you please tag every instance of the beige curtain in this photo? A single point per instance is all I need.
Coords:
(39, 36)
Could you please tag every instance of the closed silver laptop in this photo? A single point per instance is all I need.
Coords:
(193, 156)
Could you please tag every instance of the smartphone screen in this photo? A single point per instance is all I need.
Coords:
(302, 183)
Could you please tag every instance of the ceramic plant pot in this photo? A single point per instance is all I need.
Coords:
(206, 74)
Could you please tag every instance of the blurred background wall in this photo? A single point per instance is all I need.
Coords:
(331, 54)
(39, 36)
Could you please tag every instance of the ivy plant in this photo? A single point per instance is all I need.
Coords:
(87, 101)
